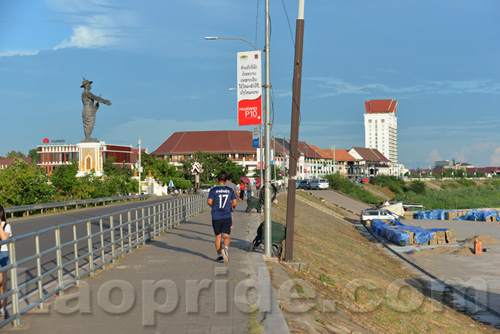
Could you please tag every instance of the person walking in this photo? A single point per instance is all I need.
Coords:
(242, 190)
(222, 198)
(5, 233)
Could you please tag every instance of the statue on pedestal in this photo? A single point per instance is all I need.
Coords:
(90, 110)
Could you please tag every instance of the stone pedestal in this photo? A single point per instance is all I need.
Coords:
(90, 157)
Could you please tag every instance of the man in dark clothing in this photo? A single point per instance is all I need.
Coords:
(222, 198)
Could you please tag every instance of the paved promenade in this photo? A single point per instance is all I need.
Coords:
(171, 285)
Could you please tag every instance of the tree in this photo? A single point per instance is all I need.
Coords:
(33, 154)
(65, 180)
(212, 164)
(24, 184)
(418, 187)
(14, 154)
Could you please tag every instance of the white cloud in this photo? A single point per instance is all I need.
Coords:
(85, 37)
(95, 23)
(433, 156)
(19, 53)
(334, 87)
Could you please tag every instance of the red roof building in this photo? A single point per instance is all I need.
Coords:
(381, 106)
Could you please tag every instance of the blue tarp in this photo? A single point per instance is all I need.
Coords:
(398, 232)
(479, 215)
(436, 215)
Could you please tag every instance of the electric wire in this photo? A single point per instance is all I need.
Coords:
(289, 25)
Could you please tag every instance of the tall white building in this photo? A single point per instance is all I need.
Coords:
(381, 127)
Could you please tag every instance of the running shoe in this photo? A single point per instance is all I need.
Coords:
(220, 259)
(225, 254)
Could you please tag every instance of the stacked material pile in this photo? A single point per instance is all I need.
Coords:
(404, 235)
(475, 214)
(481, 215)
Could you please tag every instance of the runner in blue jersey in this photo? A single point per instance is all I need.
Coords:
(222, 198)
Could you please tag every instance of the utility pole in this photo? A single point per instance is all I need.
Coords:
(268, 245)
(294, 133)
(139, 167)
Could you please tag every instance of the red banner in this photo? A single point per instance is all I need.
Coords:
(250, 112)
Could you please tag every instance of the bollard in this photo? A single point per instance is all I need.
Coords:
(478, 247)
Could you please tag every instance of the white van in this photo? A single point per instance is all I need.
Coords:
(319, 184)
(369, 214)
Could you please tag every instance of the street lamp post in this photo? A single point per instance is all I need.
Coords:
(265, 179)
(267, 124)
(236, 38)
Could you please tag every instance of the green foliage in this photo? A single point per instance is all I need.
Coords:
(212, 164)
(65, 180)
(467, 182)
(418, 187)
(33, 154)
(23, 184)
(159, 168)
(396, 185)
(458, 195)
(116, 181)
(14, 154)
(343, 184)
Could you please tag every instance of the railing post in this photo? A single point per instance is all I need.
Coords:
(91, 248)
(129, 217)
(149, 222)
(103, 251)
(169, 214)
(143, 220)
(121, 234)
(154, 221)
(60, 283)
(39, 269)
(136, 228)
(14, 285)
(75, 250)
(112, 228)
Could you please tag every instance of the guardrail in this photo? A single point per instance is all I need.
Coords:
(63, 254)
(65, 205)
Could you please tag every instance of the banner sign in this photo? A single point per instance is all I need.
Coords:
(249, 88)
(256, 136)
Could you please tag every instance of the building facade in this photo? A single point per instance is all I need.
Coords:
(381, 127)
(88, 158)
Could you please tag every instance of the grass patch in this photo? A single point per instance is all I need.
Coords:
(254, 327)
(346, 268)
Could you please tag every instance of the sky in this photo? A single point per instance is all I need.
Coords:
(439, 59)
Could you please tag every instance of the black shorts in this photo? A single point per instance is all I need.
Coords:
(222, 226)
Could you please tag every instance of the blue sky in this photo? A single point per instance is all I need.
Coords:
(439, 59)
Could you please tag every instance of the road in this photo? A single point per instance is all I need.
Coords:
(341, 200)
(26, 247)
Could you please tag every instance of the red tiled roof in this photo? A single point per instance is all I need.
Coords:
(308, 150)
(370, 154)
(340, 155)
(381, 106)
(7, 162)
(220, 142)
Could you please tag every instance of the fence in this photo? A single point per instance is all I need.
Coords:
(76, 203)
(62, 255)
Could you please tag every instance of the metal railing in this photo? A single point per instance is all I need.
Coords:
(62, 255)
(67, 204)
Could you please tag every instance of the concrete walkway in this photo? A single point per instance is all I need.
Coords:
(171, 285)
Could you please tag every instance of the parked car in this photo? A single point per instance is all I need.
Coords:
(318, 184)
(302, 184)
(204, 188)
(369, 214)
